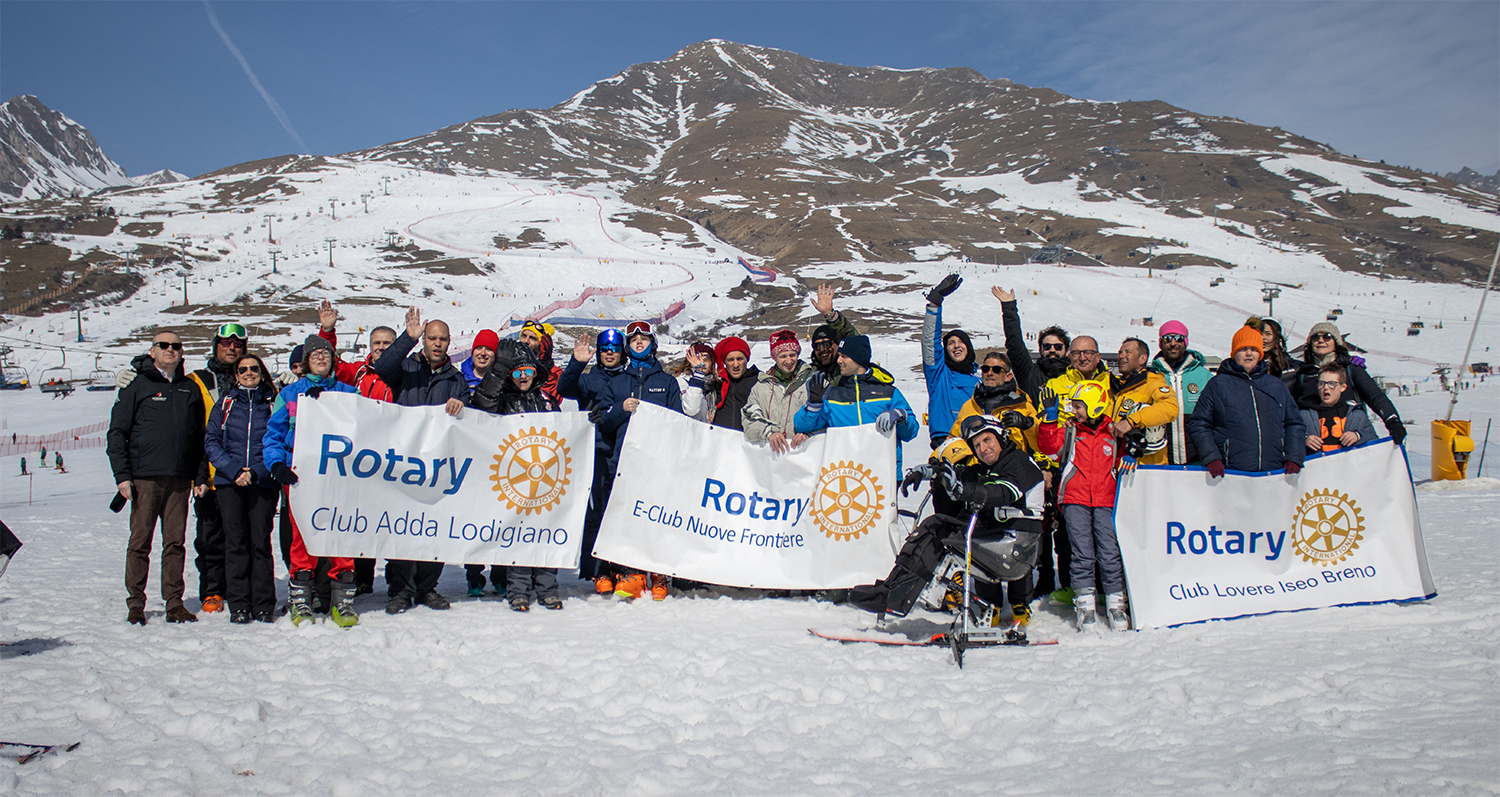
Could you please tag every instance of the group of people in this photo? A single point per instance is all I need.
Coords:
(1046, 437)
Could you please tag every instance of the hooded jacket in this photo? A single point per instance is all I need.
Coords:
(496, 393)
(949, 382)
(236, 433)
(649, 384)
(859, 400)
(413, 383)
(772, 403)
(1361, 385)
(1248, 420)
(996, 402)
(282, 426)
(1029, 375)
(156, 426)
(1187, 381)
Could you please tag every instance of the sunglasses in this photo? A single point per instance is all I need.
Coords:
(993, 369)
(1173, 337)
(826, 344)
(163, 345)
(232, 331)
(1053, 347)
(637, 328)
(1330, 385)
(524, 372)
(248, 369)
(1322, 336)
(232, 343)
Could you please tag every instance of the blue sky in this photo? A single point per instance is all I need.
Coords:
(1413, 83)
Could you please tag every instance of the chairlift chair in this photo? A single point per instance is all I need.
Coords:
(56, 380)
(99, 378)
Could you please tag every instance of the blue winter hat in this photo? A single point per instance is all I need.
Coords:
(295, 356)
(856, 348)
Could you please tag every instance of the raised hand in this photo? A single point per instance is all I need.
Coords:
(414, 323)
(327, 316)
(824, 301)
(582, 351)
(1003, 294)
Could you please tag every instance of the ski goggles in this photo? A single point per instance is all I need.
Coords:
(540, 331)
(524, 372)
(637, 328)
(232, 331)
(1173, 337)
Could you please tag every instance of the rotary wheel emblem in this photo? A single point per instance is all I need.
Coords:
(846, 502)
(1326, 528)
(531, 471)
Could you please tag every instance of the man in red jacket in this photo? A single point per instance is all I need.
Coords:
(359, 374)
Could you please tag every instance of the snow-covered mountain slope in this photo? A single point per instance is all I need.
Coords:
(44, 153)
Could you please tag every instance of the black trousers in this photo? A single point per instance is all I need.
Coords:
(209, 545)
(250, 572)
(474, 576)
(414, 579)
(604, 481)
(364, 571)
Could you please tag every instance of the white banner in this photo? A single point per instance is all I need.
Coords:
(1343, 531)
(379, 480)
(699, 502)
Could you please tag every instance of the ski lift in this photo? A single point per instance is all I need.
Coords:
(12, 376)
(1414, 330)
(56, 380)
(99, 378)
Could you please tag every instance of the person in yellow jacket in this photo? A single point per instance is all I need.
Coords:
(1084, 364)
(1141, 400)
(997, 394)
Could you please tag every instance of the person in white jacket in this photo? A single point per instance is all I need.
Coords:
(777, 395)
(694, 375)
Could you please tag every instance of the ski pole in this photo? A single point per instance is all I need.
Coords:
(968, 569)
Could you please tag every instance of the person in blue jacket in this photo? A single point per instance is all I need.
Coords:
(1246, 419)
(865, 393)
(317, 356)
(247, 494)
(948, 364)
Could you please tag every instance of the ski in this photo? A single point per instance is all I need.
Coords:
(941, 639)
(22, 753)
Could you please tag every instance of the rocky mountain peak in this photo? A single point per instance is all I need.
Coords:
(44, 153)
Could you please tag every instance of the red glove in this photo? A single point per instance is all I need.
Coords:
(1292, 468)
(1216, 468)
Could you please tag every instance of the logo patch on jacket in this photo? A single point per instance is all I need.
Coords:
(1192, 388)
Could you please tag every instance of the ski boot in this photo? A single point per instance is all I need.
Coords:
(1084, 616)
(945, 592)
(1020, 614)
(342, 598)
(1114, 611)
(299, 595)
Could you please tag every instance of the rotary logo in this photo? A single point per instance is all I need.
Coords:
(531, 471)
(1326, 527)
(846, 502)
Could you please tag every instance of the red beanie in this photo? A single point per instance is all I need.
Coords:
(727, 345)
(785, 340)
(487, 339)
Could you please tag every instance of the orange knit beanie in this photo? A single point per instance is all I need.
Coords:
(1247, 338)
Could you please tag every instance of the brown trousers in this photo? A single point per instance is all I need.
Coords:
(166, 498)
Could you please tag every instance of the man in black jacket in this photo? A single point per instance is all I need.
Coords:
(429, 379)
(155, 446)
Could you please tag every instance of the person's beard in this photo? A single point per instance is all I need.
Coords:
(1052, 367)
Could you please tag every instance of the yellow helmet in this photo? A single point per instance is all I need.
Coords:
(955, 451)
(1095, 396)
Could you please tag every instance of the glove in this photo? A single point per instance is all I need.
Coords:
(1050, 405)
(281, 473)
(1011, 419)
(946, 477)
(949, 284)
(314, 391)
(1127, 464)
(914, 477)
(1216, 468)
(1292, 468)
(596, 414)
(887, 420)
(815, 388)
(1397, 430)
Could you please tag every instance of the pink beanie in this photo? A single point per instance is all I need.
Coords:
(1174, 328)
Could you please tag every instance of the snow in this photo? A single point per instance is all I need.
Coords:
(720, 694)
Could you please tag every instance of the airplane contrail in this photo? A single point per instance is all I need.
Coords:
(271, 102)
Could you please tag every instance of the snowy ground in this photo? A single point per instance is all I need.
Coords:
(724, 696)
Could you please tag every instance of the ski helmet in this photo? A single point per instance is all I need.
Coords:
(953, 451)
(976, 425)
(610, 339)
(1095, 396)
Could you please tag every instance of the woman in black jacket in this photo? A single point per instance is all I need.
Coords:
(514, 386)
(1325, 345)
(247, 493)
